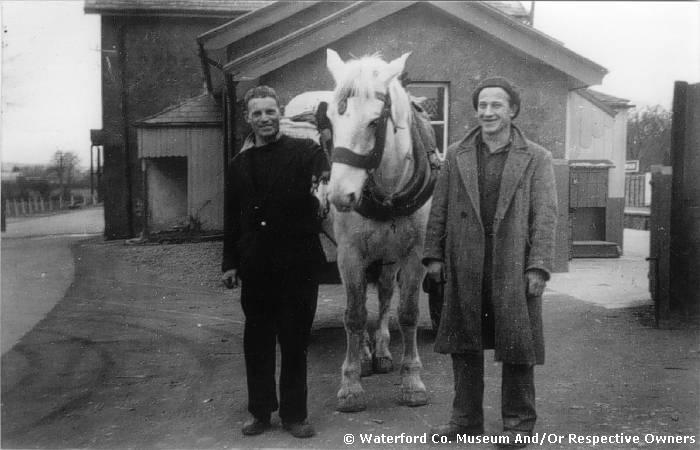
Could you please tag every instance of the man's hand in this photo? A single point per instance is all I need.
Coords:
(435, 271)
(230, 279)
(535, 283)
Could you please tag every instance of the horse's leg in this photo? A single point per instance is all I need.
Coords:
(351, 396)
(383, 362)
(413, 391)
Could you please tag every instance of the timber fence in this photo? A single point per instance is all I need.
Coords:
(37, 205)
(637, 192)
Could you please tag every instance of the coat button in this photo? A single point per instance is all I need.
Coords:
(263, 223)
(464, 214)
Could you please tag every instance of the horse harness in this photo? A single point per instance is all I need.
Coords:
(375, 203)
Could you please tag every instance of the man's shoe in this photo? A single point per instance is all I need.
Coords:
(299, 429)
(451, 430)
(255, 426)
(514, 439)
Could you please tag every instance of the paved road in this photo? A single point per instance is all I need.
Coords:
(37, 267)
(611, 283)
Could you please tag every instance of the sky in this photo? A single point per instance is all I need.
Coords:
(50, 83)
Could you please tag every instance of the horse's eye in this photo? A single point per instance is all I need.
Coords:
(373, 124)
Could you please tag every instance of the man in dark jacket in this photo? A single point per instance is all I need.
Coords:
(491, 236)
(272, 246)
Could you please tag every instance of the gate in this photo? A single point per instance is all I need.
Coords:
(675, 213)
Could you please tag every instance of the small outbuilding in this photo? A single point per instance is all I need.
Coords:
(596, 150)
(182, 165)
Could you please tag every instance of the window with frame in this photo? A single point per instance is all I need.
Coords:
(436, 104)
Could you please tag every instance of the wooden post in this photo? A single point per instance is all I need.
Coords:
(660, 243)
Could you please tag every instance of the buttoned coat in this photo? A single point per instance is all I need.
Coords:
(275, 229)
(524, 235)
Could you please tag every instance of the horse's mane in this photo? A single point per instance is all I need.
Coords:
(359, 81)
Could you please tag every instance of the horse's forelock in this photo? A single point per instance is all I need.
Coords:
(358, 79)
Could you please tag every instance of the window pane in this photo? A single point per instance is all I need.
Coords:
(439, 135)
(434, 102)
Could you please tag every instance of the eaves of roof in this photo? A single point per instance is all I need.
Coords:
(485, 17)
(607, 103)
(179, 8)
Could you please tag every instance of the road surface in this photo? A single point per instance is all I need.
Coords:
(37, 267)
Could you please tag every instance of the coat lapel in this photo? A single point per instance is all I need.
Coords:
(467, 166)
(518, 159)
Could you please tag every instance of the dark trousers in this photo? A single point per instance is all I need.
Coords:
(517, 394)
(517, 380)
(279, 307)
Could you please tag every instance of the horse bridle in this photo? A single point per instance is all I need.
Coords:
(372, 160)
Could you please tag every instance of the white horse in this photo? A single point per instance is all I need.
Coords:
(371, 116)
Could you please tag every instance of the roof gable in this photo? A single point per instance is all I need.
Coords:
(348, 17)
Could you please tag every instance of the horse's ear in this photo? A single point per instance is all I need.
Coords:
(335, 64)
(395, 67)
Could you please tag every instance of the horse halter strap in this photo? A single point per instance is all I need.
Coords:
(372, 160)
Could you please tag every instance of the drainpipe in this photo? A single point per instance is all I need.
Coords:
(229, 127)
(125, 127)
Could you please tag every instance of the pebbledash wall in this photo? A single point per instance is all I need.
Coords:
(444, 50)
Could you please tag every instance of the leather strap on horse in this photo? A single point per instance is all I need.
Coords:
(374, 158)
(381, 206)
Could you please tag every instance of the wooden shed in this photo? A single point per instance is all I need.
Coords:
(596, 150)
(182, 164)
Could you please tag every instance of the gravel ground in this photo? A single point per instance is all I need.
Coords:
(191, 264)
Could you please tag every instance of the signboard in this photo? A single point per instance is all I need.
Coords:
(632, 166)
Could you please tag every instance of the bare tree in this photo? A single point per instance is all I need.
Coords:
(649, 136)
(64, 165)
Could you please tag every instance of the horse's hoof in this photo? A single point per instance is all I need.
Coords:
(414, 398)
(382, 364)
(366, 368)
(352, 403)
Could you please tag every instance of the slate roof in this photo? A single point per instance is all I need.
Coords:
(189, 8)
(201, 110)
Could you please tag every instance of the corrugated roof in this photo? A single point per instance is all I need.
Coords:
(190, 8)
(197, 111)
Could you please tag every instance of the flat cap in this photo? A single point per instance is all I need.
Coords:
(502, 83)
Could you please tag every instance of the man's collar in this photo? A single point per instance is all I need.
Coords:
(249, 141)
(518, 141)
(504, 148)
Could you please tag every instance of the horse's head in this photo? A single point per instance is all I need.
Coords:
(368, 106)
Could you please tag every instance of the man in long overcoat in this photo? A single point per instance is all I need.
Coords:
(490, 239)
(272, 245)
